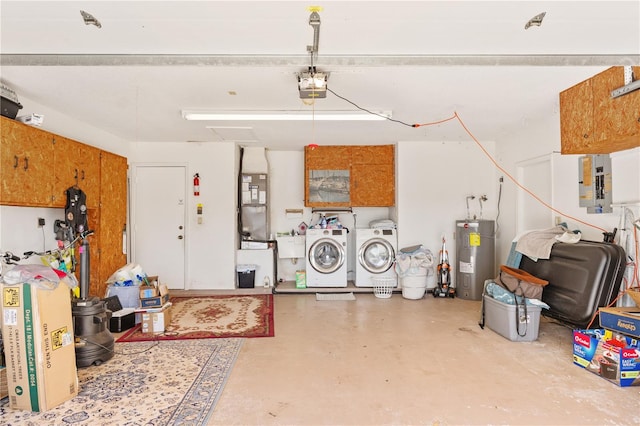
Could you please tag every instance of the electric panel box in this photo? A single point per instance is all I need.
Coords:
(594, 179)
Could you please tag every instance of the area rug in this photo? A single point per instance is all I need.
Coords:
(210, 317)
(335, 296)
(145, 383)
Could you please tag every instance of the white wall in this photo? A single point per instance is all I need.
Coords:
(541, 138)
(211, 246)
(434, 179)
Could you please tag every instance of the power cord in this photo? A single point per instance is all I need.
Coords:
(156, 342)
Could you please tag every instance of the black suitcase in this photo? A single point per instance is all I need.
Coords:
(582, 277)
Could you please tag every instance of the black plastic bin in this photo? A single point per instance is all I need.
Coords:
(246, 276)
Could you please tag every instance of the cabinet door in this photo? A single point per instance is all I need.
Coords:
(576, 119)
(327, 176)
(76, 164)
(617, 120)
(113, 217)
(373, 176)
(26, 165)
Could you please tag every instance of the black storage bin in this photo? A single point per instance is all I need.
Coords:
(121, 319)
(246, 276)
(9, 104)
(9, 108)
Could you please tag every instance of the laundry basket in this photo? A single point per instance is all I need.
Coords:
(383, 287)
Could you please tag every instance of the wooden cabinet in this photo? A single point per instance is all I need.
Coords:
(591, 122)
(26, 165)
(76, 164)
(373, 175)
(112, 221)
(36, 169)
(350, 176)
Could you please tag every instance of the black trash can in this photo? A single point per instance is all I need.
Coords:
(246, 276)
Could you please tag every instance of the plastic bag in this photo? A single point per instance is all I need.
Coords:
(129, 275)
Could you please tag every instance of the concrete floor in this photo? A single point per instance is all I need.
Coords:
(421, 362)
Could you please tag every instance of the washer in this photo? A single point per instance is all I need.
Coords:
(326, 257)
(376, 255)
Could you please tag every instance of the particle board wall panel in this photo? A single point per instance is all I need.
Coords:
(372, 154)
(76, 164)
(371, 171)
(113, 216)
(26, 165)
(617, 119)
(591, 122)
(373, 185)
(576, 118)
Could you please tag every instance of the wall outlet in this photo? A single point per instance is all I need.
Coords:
(41, 222)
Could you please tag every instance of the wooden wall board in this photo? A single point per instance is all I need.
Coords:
(113, 216)
(591, 122)
(25, 164)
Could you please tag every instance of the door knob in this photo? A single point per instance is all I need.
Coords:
(180, 227)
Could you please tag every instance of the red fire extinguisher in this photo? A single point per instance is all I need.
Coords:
(196, 184)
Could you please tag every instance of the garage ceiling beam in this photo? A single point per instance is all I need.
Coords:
(325, 60)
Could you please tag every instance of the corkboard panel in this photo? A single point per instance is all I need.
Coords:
(113, 217)
(26, 159)
(576, 118)
(372, 154)
(373, 185)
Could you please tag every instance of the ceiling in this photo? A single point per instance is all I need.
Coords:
(422, 60)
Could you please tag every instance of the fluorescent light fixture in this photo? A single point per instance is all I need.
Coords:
(286, 115)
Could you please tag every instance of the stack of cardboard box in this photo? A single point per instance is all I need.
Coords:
(155, 309)
(613, 351)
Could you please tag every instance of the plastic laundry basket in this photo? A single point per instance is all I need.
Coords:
(383, 287)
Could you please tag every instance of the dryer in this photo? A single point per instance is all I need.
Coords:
(326, 257)
(376, 253)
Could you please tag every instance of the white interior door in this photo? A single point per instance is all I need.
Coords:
(535, 175)
(159, 222)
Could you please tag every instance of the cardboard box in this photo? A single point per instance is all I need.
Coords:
(147, 291)
(610, 355)
(156, 301)
(510, 321)
(4, 390)
(155, 320)
(39, 345)
(623, 320)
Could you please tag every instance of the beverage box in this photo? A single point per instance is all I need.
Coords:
(623, 320)
(39, 345)
(610, 355)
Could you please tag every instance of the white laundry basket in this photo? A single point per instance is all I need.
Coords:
(383, 287)
(413, 286)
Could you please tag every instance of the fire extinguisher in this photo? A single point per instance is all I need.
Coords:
(196, 184)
